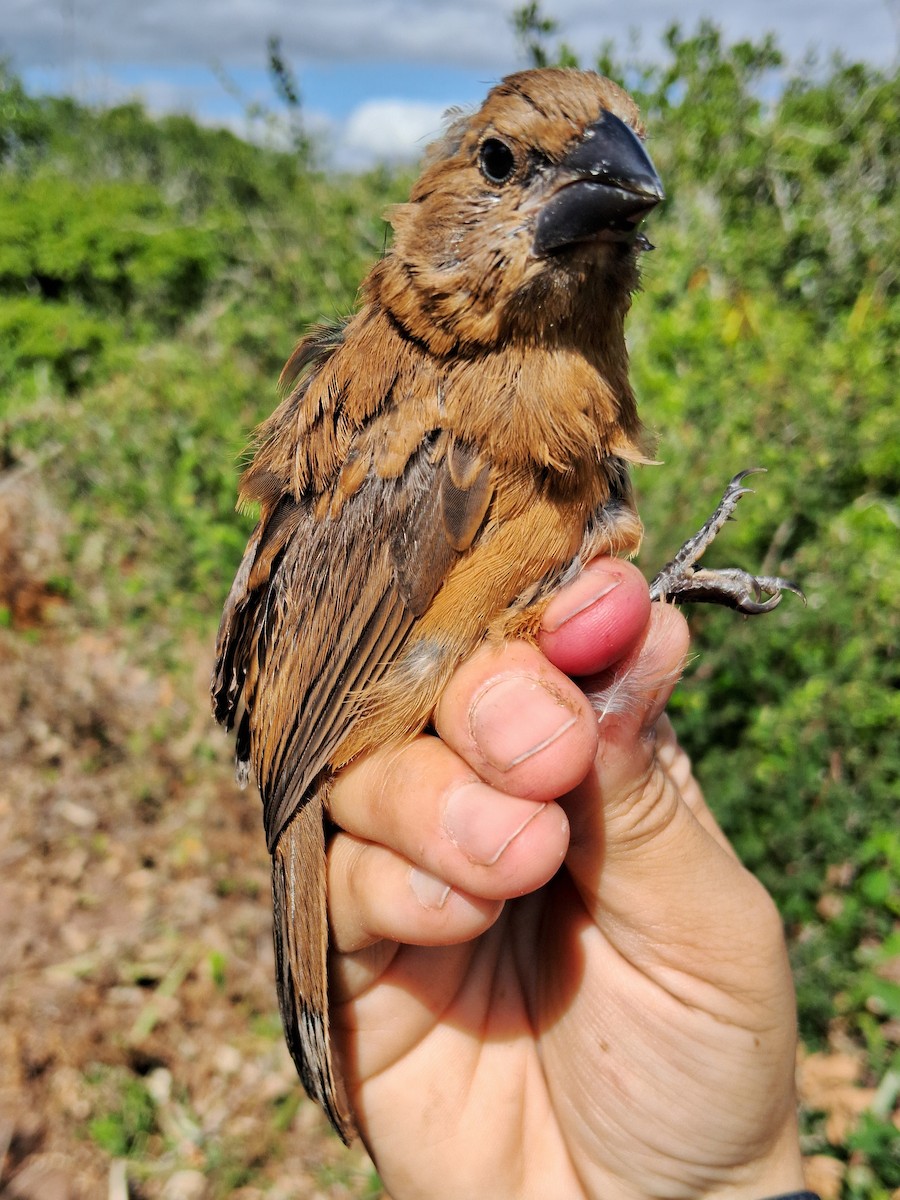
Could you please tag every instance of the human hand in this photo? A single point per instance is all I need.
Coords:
(551, 975)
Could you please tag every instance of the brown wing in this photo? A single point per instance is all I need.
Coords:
(319, 607)
(322, 603)
(330, 587)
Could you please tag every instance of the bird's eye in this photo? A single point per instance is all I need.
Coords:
(496, 160)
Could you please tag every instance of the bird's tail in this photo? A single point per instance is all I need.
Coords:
(301, 955)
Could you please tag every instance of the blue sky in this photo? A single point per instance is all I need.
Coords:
(375, 75)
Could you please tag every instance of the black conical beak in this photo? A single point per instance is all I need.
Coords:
(607, 184)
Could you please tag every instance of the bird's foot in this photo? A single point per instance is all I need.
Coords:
(680, 580)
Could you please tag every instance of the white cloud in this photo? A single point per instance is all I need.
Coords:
(47, 32)
(386, 130)
(472, 33)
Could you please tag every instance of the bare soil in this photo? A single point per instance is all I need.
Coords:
(140, 1049)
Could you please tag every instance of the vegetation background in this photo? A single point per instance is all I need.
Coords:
(154, 276)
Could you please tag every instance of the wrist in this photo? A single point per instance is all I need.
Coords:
(778, 1175)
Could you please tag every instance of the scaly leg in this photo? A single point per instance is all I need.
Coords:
(680, 580)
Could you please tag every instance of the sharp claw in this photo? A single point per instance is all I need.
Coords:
(732, 588)
(680, 580)
(752, 608)
(741, 475)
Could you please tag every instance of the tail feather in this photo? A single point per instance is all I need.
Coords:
(301, 955)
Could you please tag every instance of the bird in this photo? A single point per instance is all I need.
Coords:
(440, 464)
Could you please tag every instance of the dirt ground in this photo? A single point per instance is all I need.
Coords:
(140, 1049)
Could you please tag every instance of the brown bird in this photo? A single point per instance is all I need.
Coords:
(442, 462)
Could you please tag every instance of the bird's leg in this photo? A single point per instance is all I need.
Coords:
(681, 580)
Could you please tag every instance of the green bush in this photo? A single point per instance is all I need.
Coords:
(64, 337)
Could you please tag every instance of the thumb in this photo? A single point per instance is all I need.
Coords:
(622, 813)
(659, 881)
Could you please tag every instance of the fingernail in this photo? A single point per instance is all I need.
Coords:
(430, 891)
(539, 716)
(482, 823)
(587, 589)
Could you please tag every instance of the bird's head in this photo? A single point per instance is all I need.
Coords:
(525, 220)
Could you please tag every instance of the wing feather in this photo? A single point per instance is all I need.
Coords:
(320, 607)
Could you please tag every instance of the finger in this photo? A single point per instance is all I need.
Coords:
(597, 619)
(637, 688)
(423, 803)
(375, 893)
(521, 724)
